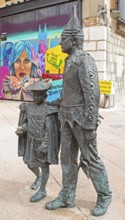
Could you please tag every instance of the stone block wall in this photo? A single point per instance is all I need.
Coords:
(107, 47)
(115, 67)
(95, 40)
(95, 43)
(106, 43)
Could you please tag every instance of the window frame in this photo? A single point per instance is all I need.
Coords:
(37, 4)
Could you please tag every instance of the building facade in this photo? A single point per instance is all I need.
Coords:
(5, 3)
(104, 38)
(104, 30)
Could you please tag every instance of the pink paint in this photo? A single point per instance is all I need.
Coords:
(42, 47)
(34, 57)
(4, 70)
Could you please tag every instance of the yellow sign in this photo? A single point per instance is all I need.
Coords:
(106, 87)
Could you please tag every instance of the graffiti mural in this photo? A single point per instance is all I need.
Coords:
(23, 70)
(32, 52)
(26, 61)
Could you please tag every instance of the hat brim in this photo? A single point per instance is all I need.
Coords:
(39, 86)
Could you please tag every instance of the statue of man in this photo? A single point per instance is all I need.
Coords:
(78, 114)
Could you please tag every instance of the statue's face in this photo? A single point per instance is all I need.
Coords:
(66, 44)
(39, 97)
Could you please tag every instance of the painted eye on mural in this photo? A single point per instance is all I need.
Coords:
(26, 60)
(18, 61)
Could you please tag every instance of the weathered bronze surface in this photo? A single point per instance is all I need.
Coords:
(36, 143)
(79, 105)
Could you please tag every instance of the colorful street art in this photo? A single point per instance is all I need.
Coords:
(32, 52)
(54, 92)
(26, 61)
(23, 66)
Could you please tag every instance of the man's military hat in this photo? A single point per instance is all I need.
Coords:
(73, 27)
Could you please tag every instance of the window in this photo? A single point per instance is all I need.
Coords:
(121, 6)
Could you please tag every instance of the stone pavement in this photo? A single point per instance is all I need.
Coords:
(16, 179)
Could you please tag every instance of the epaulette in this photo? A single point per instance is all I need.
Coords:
(89, 56)
(80, 57)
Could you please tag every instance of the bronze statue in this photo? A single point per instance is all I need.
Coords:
(38, 141)
(79, 118)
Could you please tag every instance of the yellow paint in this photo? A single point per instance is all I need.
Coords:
(55, 60)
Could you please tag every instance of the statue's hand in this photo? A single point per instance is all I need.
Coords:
(12, 82)
(99, 120)
(20, 130)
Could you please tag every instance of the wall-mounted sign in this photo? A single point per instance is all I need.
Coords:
(107, 87)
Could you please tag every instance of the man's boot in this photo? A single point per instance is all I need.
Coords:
(104, 194)
(64, 200)
(36, 184)
(102, 204)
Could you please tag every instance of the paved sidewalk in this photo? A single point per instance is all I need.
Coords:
(16, 179)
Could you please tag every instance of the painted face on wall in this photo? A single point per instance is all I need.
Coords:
(66, 44)
(22, 66)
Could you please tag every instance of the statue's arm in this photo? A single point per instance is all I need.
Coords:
(88, 77)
